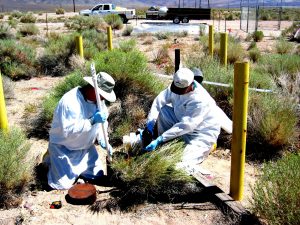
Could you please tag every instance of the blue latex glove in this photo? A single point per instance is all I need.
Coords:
(150, 126)
(98, 117)
(153, 145)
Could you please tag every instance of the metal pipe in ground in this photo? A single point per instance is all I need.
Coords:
(3, 114)
(238, 149)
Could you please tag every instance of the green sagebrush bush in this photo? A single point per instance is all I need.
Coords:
(273, 121)
(28, 18)
(17, 61)
(152, 173)
(276, 194)
(113, 20)
(81, 23)
(276, 64)
(254, 54)
(28, 29)
(6, 31)
(284, 47)
(257, 36)
(60, 11)
(16, 166)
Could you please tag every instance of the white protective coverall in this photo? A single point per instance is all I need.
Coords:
(71, 143)
(194, 116)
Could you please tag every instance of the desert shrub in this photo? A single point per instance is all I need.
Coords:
(152, 174)
(94, 42)
(272, 122)
(55, 60)
(283, 47)
(162, 56)
(28, 29)
(13, 22)
(16, 167)
(162, 35)
(114, 21)
(81, 23)
(127, 46)
(16, 61)
(60, 11)
(254, 54)
(276, 194)
(235, 52)
(181, 34)
(257, 36)
(1, 16)
(149, 41)
(6, 31)
(15, 14)
(127, 31)
(297, 50)
(28, 18)
(277, 64)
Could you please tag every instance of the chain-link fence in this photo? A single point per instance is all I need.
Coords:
(266, 15)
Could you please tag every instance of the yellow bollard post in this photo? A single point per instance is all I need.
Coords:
(79, 45)
(238, 149)
(3, 114)
(109, 38)
(223, 48)
(211, 40)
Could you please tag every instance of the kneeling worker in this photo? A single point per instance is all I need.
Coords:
(74, 130)
(185, 109)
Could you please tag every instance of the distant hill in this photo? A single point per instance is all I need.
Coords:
(25, 5)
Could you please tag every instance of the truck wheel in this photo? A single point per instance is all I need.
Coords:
(185, 20)
(176, 20)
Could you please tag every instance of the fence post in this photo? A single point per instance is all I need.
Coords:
(3, 114)
(240, 107)
(79, 45)
(109, 38)
(177, 59)
(211, 40)
(223, 48)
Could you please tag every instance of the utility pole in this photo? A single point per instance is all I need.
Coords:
(208, 4)
(74, 5)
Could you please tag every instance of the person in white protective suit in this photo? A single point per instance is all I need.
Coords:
(74, 130)
(185, 109)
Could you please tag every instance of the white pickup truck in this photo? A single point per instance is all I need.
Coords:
(107, 8)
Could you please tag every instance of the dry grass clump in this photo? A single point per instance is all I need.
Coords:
(151, 176)
(276, 194)
(28, 29)
(8, 87)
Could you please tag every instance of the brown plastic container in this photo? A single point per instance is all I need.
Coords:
(81, 194)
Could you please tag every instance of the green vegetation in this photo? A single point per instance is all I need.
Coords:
(153, 173)
(16, 61)
(6, 31)
(254, 54)
(28, 29)
(257, 35)
(114, 21)
(28, 18)
(60, 11)
(15, 167)
(276, 194)
(81, 23)
(284, 47)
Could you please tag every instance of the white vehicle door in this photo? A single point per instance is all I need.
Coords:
(97, 9)
(105, 10)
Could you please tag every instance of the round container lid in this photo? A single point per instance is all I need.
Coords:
(81, 194)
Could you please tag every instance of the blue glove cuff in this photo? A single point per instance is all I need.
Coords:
(160, 140)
